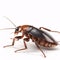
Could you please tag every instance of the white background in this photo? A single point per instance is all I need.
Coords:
(38, 13)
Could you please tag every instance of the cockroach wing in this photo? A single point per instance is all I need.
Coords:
(36, 33)
(48, 37)
(41, 34)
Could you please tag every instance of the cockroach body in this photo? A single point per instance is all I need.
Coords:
(38, 36)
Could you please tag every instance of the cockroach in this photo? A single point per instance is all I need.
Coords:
(37, 35)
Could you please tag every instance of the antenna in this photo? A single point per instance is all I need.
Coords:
(7, 28)
(10, 21)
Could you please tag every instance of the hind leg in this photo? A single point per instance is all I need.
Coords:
(40, 49)
(48, 29)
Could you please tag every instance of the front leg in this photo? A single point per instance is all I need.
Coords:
(15, 38)
(11, 44)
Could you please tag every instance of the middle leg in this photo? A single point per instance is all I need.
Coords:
(25, 39)
(25, 47)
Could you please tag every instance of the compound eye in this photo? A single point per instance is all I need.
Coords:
(17, 29)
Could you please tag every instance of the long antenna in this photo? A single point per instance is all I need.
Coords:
(7, 28)
(10, 21)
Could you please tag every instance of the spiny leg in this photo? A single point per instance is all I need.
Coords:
(17, 37)
(25, 47)
(40, 49)
(48, 29)
(11, 44)
(25, 39)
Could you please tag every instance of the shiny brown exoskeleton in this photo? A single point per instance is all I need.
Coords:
(37, 36)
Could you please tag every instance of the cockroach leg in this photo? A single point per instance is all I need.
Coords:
(40, 49)
(15, 38)
(26, 39)
(48, 29)
(10, 45)
(22, 48)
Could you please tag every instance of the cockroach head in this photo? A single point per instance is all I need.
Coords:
(17, 30)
